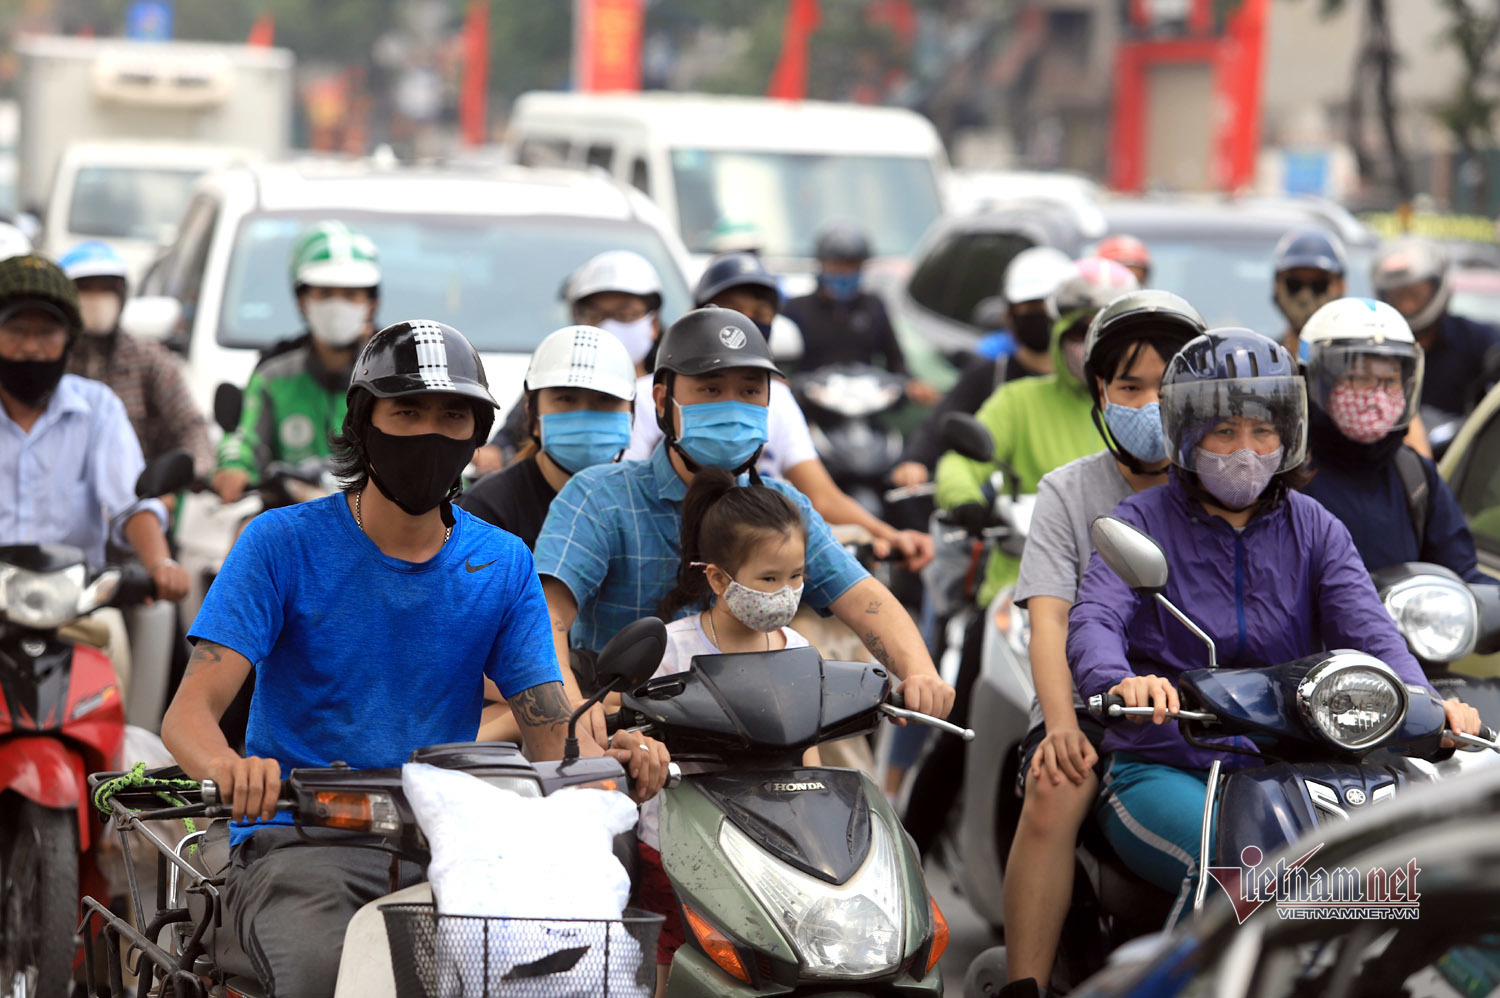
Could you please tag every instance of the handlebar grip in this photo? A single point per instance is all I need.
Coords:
(896, 699)
(612, 722)
(210, 791)
(1487, 733)
(136, 586)
(674, 775)
(1100, 703)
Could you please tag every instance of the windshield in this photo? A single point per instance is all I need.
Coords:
(497, 279)
(1230, 281)
(129, 202)
(789, 197)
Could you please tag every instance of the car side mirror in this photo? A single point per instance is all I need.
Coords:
(966, 435)
(1131, 554)
(164, 474)
(229, 402)
(152, 317)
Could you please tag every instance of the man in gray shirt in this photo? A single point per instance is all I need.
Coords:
(1125, 354)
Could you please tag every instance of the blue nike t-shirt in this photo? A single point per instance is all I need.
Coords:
(361, 657)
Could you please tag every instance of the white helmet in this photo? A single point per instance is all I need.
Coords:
(615, 270)
(582, 357)
(1343, 337)
(1034, 273)
(13, 242)
(1091, 284)
(1413, 261)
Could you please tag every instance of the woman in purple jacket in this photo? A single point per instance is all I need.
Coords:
(1266, 571)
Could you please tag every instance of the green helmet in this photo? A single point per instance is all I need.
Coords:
(333, 255)
(33, 280)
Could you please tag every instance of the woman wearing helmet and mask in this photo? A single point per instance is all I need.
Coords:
(579, 390)
(1364, 373)
(1268, 573)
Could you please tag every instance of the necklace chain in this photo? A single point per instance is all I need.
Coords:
(713, 629)
(360, 522)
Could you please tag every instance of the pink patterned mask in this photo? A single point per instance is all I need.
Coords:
(1365, 415)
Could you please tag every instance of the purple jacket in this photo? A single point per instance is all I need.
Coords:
(1291, 584)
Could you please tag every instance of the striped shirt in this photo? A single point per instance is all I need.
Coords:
(613, 537)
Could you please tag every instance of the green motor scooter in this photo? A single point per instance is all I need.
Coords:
(792, 879)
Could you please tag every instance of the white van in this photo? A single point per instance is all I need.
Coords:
(719, 165)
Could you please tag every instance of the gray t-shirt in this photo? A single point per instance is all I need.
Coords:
(1058, 546)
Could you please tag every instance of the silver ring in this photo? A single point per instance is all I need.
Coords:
(644, 747)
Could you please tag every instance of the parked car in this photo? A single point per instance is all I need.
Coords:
(486, 250)
(1216, 253)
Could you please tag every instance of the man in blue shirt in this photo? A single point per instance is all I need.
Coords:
(373, 619)
(68, 455)
(610, 547)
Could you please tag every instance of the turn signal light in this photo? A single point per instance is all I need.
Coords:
(356, 812)
(939, 935)
(720, 949)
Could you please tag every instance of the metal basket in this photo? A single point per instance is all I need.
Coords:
(468, 956)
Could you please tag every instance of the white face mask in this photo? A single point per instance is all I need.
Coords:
(637, 336)
(336, 322)
(100, 311)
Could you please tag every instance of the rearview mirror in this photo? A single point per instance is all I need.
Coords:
(966, 435)
(991, 313)
(1132, 555)
(164, 474)
(153, 317)
(229, 401)
(633, 655)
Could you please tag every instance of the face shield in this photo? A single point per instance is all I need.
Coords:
(1260, 414)
(1368, 389)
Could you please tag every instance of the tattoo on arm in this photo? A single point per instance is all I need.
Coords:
(876, 645)
(558, 627)
(874, 607)
(540, 706)
(205, 653)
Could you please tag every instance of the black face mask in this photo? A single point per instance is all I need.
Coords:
(1033, 331)
(31, 381)
(765, 329)
(416, 472)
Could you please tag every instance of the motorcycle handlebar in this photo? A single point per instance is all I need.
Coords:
(1106, 705)
(136, 586)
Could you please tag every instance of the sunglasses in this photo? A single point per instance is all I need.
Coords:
(1318, 285)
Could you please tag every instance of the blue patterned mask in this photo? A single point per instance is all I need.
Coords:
(722, 434)
(1138, 431)
(584, 438)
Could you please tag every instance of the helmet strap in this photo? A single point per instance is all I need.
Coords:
(1122, 455)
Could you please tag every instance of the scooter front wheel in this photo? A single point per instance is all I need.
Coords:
(38, 900)
(987, 974)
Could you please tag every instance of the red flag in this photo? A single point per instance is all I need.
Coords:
(607, 44)
(789, 79)
(1237, 90)
(471, 103)
(263, 31)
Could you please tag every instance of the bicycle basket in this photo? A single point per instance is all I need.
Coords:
(467, 956)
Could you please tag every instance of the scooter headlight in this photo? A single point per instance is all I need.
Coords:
(1438, 616)
(1353, 699)
(42, 599)
(849, 930)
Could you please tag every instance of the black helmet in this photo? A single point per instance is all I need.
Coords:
(418, 357)
(33, 281)
(732, 270)
(842, 242)
(1142, 313)
(1312, 248)
(1233, 372)
(712, 339)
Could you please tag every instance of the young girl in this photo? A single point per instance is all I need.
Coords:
(743, 553)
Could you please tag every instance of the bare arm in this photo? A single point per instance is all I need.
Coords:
(541, 712)
(1049, 660)
(887, 630)
(143, 532)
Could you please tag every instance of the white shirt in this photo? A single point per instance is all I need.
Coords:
(788, 442)
(685, 639)
(64, 481)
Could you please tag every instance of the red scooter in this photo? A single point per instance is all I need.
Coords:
(61, 718)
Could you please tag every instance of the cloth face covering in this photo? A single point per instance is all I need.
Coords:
(30, 381)
(1033, 331)
(336, 322)
(585, 437)
(1236, 479)
(415, 472)
(764, 612)
(1299, 307)
(840, 287)
(1137, 430)
(722, 434)
(100, 311)
(637, 336)
(1364, 415)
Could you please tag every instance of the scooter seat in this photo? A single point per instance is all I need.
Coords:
(211, 859)
(1138, 906)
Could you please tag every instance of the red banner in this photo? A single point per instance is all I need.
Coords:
(1237, 91)
(472, 112)
(607, 44)
(789, 79)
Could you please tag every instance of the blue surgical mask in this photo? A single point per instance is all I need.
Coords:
(1138, 431)
(584, 438)
(840, 287)
(722, 434)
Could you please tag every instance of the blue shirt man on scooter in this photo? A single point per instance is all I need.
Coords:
(347, 607)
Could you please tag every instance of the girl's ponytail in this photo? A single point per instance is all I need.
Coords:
(709, 486)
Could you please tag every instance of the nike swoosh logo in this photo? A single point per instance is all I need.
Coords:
(479, 568)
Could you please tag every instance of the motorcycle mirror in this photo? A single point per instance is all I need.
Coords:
(1133, 555)
(961, 432)
(165, 473)
(228, 403)
(991, 313)
(629, 659)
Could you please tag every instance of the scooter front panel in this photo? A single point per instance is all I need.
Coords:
(816, 820)
(35, 672)
(1270, 806)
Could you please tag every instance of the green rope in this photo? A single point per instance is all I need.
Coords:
(137, 777)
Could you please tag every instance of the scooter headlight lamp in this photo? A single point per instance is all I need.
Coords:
(1354, 700)
(45, 599)
(850, 930)
(1438, 617)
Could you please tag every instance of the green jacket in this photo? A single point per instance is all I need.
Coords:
(1038, 424)
(293, 408)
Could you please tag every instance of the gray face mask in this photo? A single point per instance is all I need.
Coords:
(1236, 479)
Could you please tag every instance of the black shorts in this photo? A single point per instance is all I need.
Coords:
(1092, 729)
